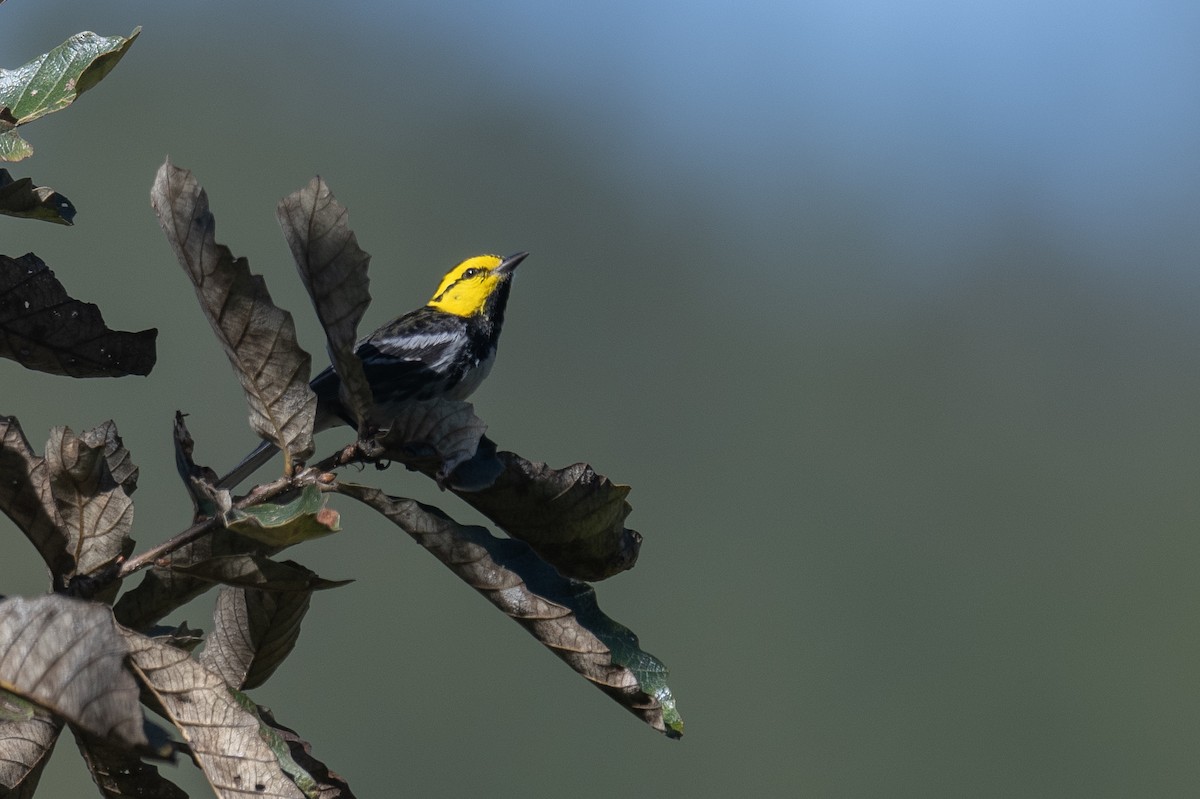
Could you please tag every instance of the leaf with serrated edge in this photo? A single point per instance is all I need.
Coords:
(573, 517)
(96, 512)
(20, 198)
(282, 524)
(223, 737)
(207, 499)
(560, 613)
(258, 338)
(45, 329)
(334, 271)
(67, 656)
(25, 498)
(120, 463)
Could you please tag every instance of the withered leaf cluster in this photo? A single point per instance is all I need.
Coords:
(91, 656)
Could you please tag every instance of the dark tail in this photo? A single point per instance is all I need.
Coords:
(249, 465)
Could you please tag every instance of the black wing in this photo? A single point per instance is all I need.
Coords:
(405, 359)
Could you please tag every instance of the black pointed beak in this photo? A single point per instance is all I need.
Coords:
(510, 263)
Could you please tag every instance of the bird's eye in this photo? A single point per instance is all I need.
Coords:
(472, 272)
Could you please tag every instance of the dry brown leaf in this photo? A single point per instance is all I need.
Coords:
(560, 613)
(67, 656)
(25, 748)
(96, 512)
(573, 517)
(25, 498)
(222, 736)
(258, 337)
(43, 328)
(253, 633)
(334, 271)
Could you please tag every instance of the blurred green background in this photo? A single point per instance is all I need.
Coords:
(886, 311)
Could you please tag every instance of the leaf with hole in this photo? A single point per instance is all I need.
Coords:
(43, 328)
(21, 198)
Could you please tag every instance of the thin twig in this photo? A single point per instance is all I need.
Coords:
(147, 558)
(350, 454)
(258, 494)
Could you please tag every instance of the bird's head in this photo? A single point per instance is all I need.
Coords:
(476, 285)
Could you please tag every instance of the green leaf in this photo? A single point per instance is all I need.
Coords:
(14, 708)
(54, 80)
(281, 524)
(283, 756)
(622, 643)
(22, 199)
(12, 146)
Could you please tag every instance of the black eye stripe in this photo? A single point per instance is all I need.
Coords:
(467, 275)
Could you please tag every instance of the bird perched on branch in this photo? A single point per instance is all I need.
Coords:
(442, 350)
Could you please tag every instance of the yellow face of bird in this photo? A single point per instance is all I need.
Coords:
(465, 288)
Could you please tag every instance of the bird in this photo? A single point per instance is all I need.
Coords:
(443, 349)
